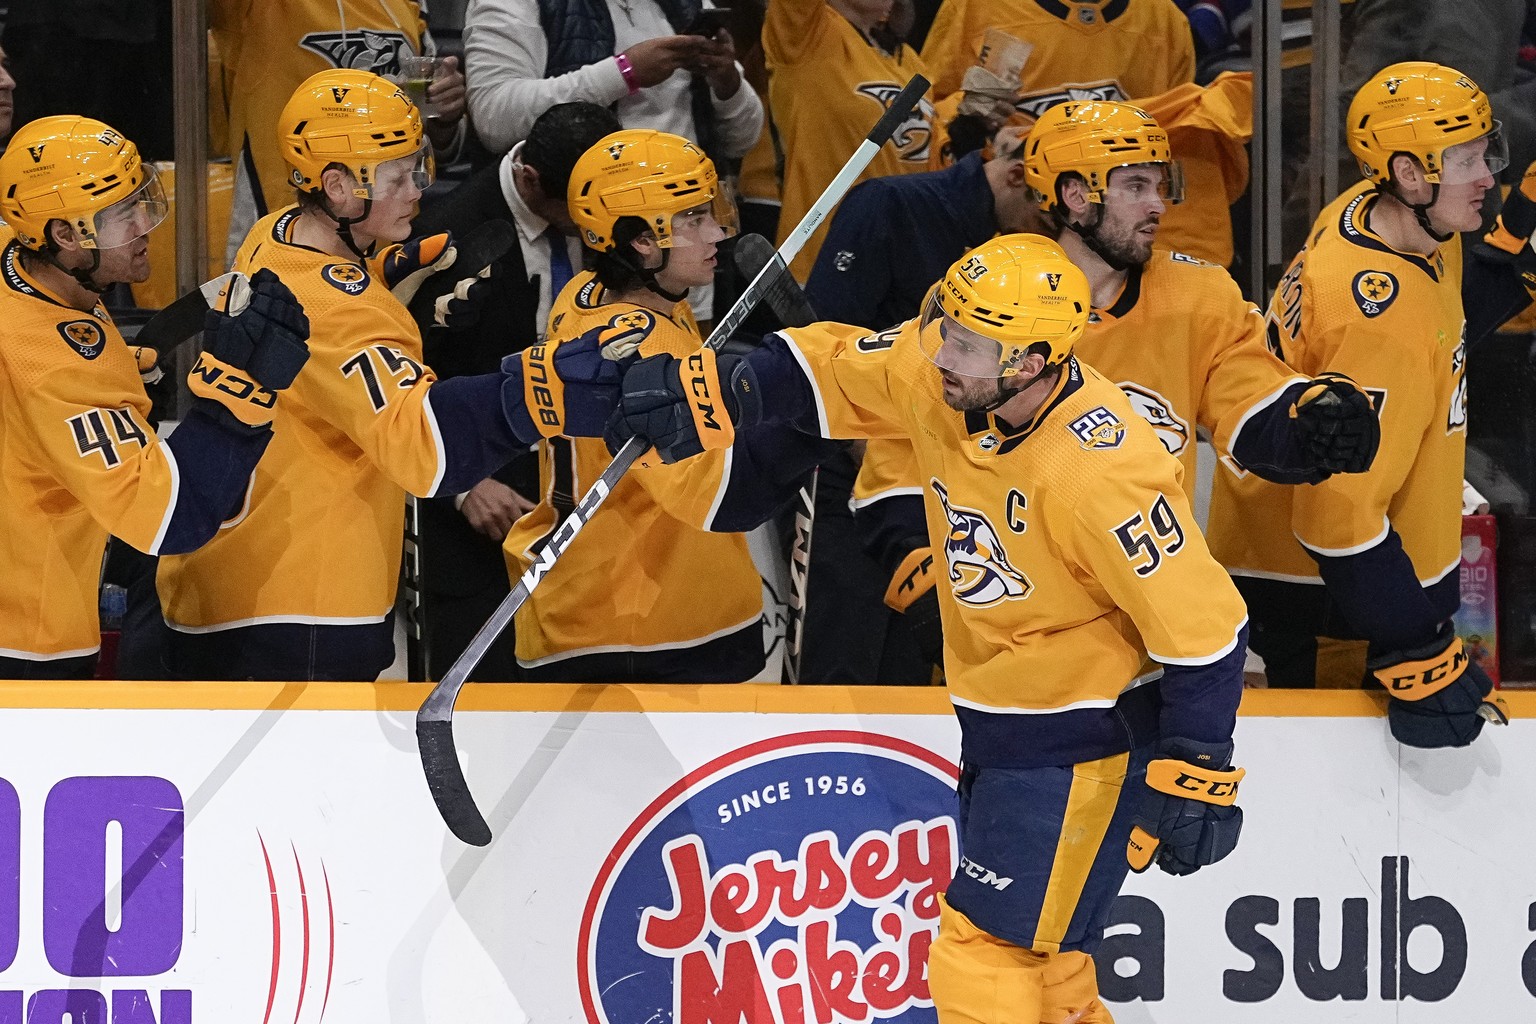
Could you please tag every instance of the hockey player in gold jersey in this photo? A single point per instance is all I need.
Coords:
(300, 584)
(630, 607)
(78, 456)
(1173, 331)
(1070, 556)
(1377, 293)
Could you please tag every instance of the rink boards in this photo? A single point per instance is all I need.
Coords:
(265, 853)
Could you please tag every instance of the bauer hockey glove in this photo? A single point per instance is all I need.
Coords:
(1440, 696)
(1186, 816)
(250, 356)
(684, 406)
(1338, 426)
(570, 387)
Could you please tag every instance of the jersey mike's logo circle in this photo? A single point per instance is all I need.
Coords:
(84, 336)
(347, 277)
(792, 880)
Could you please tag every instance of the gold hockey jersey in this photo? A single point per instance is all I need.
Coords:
(79, 460)
(1184, 346)
(1080, 49)
(1068, 545)
(1393, 321)
(645, 575)
(319, 541)
(827, 86)
(269, 48)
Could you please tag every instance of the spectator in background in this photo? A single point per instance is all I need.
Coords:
(270, 48)
(833, 68)
(523, 57)
(464, 576)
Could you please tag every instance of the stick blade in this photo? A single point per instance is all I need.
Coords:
(183, 319)
(445, 779)
(781, 292)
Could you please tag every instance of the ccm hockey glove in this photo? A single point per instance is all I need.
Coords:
(250, 356)
(404, 267)
(1339, 428)
(684, 406)
(1187, 816)
(1439, 694)
(912, 592)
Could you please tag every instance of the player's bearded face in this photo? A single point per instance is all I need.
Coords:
(967, 394)
(1132, 211)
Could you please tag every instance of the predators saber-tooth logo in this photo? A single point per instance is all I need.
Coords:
(1038, 103)
(363, 49)
(913, 136)
(1171, 429)
(979, 570)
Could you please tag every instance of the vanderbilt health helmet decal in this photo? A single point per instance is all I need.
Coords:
(1374, 291)
(979, 570)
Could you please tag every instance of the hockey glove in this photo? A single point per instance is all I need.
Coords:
(568, 387)
(249, 356)
(1517, 221)
(683, 406)
(1186, 817)
(1338, 427)
(460, 308)
(912, 592)
(404, 267)
(1439, 694)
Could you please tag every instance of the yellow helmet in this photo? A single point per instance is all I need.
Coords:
(353, 118)
(1423, 109)
(644, 173)
(82, 171)
(1091, 140)
(1000, 299)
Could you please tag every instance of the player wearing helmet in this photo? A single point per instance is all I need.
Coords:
(77, 453)
(301, 582)
(1360, 573)
(1173, 331)
(649, 209)
(1070, 555)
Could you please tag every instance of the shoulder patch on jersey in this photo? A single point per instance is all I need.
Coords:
(1170, 427)
(345, 277)
(1373, 291)
(1098, 429)
(624, 333)
(1184, 257)
(84, 336)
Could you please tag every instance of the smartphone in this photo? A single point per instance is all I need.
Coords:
(710, 21)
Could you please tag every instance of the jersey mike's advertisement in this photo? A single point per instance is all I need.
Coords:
(655, 862)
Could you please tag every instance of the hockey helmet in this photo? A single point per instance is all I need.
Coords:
(1091, 140)
(644, 173)
(1000, 299)
(1431, 112)
(356, 119)
(83, 172)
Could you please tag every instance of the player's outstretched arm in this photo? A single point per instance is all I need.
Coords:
(1309, 431)
(248, 359)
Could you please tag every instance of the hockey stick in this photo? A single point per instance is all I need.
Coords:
(789, 303)
(434, 721)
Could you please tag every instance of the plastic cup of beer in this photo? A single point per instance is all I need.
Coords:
(416, 75)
